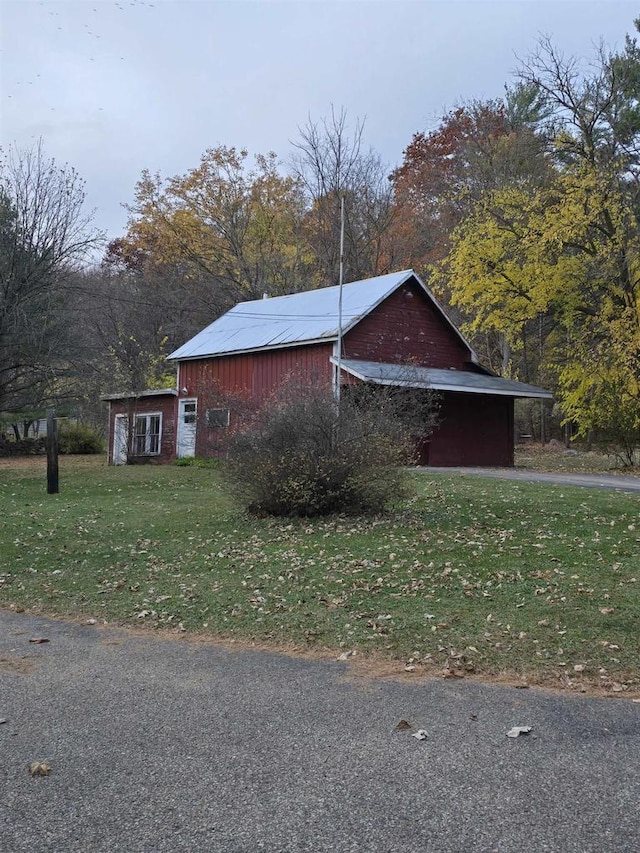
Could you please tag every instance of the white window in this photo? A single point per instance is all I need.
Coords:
(217, 418)
(190, 410)
(147, 434)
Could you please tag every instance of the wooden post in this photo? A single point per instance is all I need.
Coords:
(52, 454)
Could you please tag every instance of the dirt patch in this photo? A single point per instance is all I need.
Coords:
(24, 463)
(32, 465)
(365, 670)
(22, 665)
(556, 458)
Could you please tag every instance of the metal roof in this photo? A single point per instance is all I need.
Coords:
(308, 317)
(412, 376)
(131, 395)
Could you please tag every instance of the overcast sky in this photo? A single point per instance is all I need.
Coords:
(116, 87)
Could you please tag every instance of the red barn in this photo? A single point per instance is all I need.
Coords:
(393, 333)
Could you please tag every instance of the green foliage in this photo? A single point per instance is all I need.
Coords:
(305, 456)
(79, 439)
(606, 407)
(196, 462)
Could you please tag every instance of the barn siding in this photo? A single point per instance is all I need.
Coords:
(232, 374)
(255, 376)
(244, 381)
(406, 327)
(167, 405)
(474, 429)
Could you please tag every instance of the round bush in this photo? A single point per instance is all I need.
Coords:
(305, 456)
(79, 439)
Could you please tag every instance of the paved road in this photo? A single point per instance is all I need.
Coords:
(592, 481)
(169, 745)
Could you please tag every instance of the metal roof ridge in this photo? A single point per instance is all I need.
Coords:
(329, 287)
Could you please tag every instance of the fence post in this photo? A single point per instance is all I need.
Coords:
(52, 454)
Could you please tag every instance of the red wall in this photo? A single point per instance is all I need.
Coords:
(245, 381)
(407, 328)
(166, 404)
(474, 429)
(256, 375)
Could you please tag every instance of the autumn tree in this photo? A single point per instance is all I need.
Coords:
(233, 229)
(127, 330)
(477, 147)
(45, 234)
(569, 249)
(480, 147)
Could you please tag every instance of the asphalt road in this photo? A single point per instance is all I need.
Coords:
(170, 745)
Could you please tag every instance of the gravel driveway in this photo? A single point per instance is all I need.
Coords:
(172, 745)
(592, 481)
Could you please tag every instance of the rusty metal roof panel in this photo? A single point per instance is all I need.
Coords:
(412, 376)
(289, 320)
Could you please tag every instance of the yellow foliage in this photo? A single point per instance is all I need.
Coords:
(571, 251)
(225, 219)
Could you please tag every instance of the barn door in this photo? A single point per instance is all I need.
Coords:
(120, 439)
(187, 418)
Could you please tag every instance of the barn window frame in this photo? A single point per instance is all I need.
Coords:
(218, 418)
(147, 434)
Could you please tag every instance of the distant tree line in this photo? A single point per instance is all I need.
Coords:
(521, 212)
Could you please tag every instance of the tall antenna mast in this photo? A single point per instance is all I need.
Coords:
(339, 341)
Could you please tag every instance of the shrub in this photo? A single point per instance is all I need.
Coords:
(196, 462)
(302, 455)
(79, 439)
(22, 447)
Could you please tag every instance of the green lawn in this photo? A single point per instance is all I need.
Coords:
(485, 576)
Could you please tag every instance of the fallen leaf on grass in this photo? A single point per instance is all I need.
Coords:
(39, 768)
(516, 731)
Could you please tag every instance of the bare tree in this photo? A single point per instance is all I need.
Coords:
(592, 113)
(44, 236)
(331, 164)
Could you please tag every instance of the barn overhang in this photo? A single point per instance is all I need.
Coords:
(131, 395)
(437, 379)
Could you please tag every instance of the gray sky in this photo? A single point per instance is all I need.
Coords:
(115, 87)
